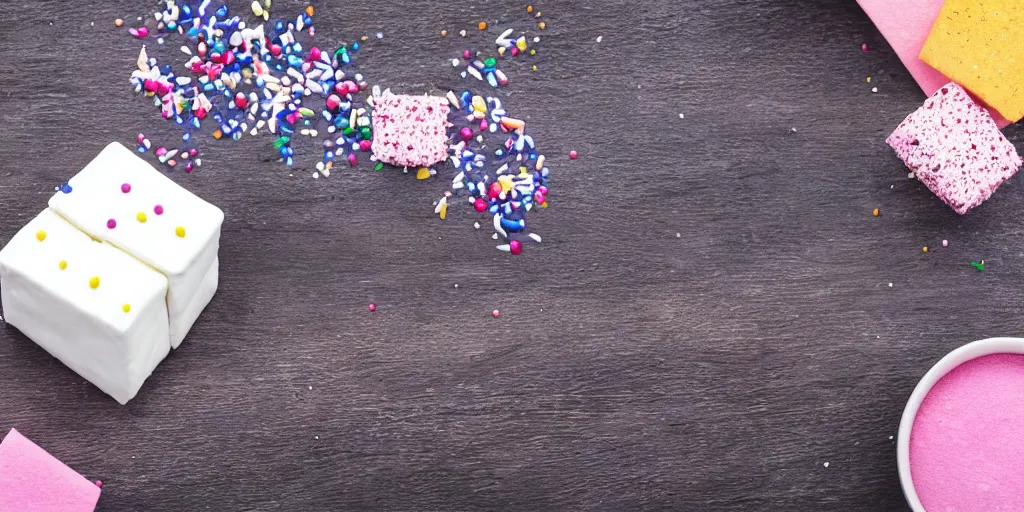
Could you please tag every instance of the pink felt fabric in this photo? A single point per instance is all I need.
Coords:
(955, 149)
(32, 480)
(967, 442)
(905, 24)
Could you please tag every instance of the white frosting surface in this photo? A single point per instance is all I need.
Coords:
(86, 328)
(97, 197)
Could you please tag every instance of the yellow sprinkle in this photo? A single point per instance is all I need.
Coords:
(544, 204)
(63, 264)
(444, 211)
(506, 183)
(529, 8)
(869, 79)
(40, 235)
(423, 173)
(127, 308)
(94, 282)
(521, 44)
(924, 249)
(309, 10)
(535, 67)
(533, 51)
(542, 25)
(875, 212)
(141, 216)
(482, 25)
(501, 50)
(180, 231)
(364, 38)
(444, 33)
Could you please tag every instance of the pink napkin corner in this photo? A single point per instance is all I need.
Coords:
(32, 480)
(905, 24)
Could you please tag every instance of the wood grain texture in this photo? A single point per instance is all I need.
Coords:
(631, 369)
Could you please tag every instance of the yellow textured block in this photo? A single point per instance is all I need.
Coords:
(980, 45)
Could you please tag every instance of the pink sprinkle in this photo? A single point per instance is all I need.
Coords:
(126, 188)
(573, 155)
(141, 138)
(495, 313)
(864, 47)
(365, 145)
(466, 54)
(466, 133)
(111, 224)
(515, 247)
(373, 307)
(945, 243)
(99, 483)
(352, 159)
(158, 209)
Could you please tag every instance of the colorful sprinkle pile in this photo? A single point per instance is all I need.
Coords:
(252, 79)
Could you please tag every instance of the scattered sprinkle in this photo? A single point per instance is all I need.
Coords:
(599, 38)
(373, 307)
(127, 308)
(924, 249)
(945, 243)
(864, 47)
(826, 464)
(94, 282)
(875, 212)
(119, 22)
(573, 155)
(495, 313)
(874, 89)
(141, 217)
(63, 264)
(978, 265)
(111, 224)
(180, 231)
(482, 25)
(40, 235)
(158, 209)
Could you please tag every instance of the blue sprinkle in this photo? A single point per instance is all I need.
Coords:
(355, 46)
(66, 188)
(222, 12)
(185, 136)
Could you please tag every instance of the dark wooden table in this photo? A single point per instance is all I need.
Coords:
(709, 320)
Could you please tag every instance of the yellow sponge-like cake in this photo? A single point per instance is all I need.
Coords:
(979, 44)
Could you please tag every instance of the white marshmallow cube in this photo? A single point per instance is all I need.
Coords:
(121, 199)
(95, 308)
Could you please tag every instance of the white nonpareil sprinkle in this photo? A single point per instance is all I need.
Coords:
(910, 175)
(874, 89)
(599, 38)
(826, 464)
(679, 235)
(890, 285)
(682, 116)
(311, 388)
(380, 35)
(945, 243)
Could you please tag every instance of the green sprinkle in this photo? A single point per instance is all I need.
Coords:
(380, 165)
(281, 142)
(348, 131)
(306, 112)
(979, 266)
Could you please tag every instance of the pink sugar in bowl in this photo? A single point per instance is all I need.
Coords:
(961, 438)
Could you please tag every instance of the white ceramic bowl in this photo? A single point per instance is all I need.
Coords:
(944, 366)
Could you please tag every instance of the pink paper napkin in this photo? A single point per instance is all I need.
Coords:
(905, 24)
(32, 480)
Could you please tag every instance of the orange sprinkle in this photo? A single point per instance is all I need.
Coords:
(119, 22)
(542, 25)
(482, 25)
(309, 10)
(444, 33)
(875, 212)
(218, 134)
(529, 8)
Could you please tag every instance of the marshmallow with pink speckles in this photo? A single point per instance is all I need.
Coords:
(955, 148)
(410, 131)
